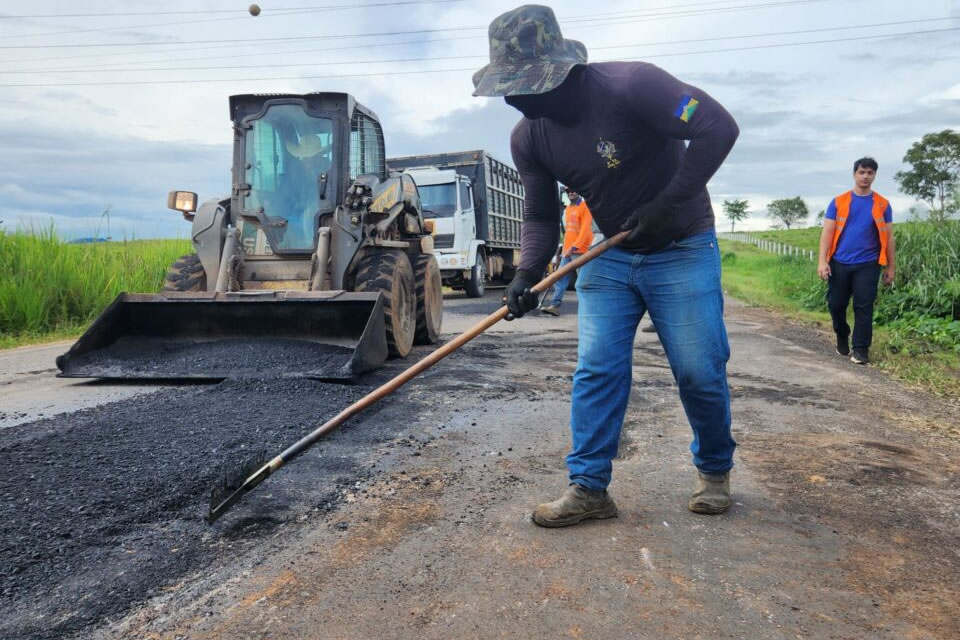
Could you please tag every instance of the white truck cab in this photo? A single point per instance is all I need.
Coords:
(447, 200)
(476, 204)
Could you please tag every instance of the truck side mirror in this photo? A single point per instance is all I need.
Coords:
(183, 201)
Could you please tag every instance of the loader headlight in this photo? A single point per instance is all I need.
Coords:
(182, 201)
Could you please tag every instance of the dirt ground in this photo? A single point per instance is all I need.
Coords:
(413, 521)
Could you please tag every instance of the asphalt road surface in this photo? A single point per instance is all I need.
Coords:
(413, 520)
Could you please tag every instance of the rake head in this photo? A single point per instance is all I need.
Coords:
(234, 484)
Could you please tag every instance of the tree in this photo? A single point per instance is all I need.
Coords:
(789, 210)
(821, 216)
(934, 174)
(735, 210)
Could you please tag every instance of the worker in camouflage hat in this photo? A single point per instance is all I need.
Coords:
(640, 146)
(528, 54)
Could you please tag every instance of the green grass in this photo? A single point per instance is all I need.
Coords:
(50, 289)
(806, 239)
(913, 345)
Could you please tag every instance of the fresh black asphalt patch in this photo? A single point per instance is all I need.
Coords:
(101, 508)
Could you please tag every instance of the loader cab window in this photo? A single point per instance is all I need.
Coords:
(366, 147)
(438, 200)
(287, 153)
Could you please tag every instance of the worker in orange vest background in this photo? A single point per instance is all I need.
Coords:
(577, 238)
(855, 245)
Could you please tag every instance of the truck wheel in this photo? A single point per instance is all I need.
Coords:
(186, 274)
(390, 272)
(478, 274)
(426, 271)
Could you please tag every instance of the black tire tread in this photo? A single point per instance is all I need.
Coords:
(375, 273)
(186, 274)
(423, 333)
(471, 287)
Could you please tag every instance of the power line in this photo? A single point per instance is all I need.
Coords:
(275, 13)
(468, 57)
(366, 45)
(615, 16)
(792, 44)
(48, 16)
(272, 9)
(425, 71)
(592, 18)
(253, 66)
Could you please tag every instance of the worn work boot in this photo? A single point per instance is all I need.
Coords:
(575, 505)
(550, 310)
(711, 495)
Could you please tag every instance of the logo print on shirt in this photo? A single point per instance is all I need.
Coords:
(686, 108)
(608, 151)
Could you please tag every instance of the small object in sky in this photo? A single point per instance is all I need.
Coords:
(254, 9)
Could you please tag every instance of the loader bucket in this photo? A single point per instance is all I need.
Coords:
(323, 335)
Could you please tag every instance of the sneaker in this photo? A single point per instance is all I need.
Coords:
(843, 346)
(550, 310)
(711, 494)
(859, 356)
(649, 329)
(575, 505)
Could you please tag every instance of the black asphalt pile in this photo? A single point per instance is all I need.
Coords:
(220, 359)
(101, 508)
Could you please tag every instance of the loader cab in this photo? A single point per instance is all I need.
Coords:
(294, 156)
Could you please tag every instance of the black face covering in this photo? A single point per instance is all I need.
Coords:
(562, 104)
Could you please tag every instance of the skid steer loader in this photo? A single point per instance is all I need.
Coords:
(318, 264)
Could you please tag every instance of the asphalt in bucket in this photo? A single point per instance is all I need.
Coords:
(139, 357)
(101, 508)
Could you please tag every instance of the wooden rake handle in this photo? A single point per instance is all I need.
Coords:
(439, 354)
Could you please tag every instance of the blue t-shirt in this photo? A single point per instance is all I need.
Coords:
(860, 240)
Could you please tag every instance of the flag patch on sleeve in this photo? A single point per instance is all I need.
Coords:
(686, 108)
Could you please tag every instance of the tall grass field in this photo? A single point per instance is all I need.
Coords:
(50, 287)
(917, 320)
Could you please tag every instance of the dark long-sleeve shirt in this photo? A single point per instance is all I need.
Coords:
(626, 148)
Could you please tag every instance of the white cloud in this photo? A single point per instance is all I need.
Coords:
(806, 112)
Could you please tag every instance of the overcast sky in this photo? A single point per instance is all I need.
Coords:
(118, 126)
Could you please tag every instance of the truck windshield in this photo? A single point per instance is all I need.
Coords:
(287, 152)
(438, 200)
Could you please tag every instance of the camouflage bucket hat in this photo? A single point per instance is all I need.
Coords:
(528, 54)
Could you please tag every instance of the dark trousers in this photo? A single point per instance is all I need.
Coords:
(860, 281)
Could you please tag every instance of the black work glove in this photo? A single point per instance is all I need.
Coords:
(650, 219)
(518, 296)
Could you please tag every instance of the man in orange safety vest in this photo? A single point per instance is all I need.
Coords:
(855, 245)
(577, 238)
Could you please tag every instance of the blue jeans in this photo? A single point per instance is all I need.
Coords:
(560, 286)
(680, 287)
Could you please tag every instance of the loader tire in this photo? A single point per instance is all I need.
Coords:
(426, 272)
(186, 274)
(390, 272)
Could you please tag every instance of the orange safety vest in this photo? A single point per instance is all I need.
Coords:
(578, 228)
(880, 205)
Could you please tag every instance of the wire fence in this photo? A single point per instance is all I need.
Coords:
(763, 244)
